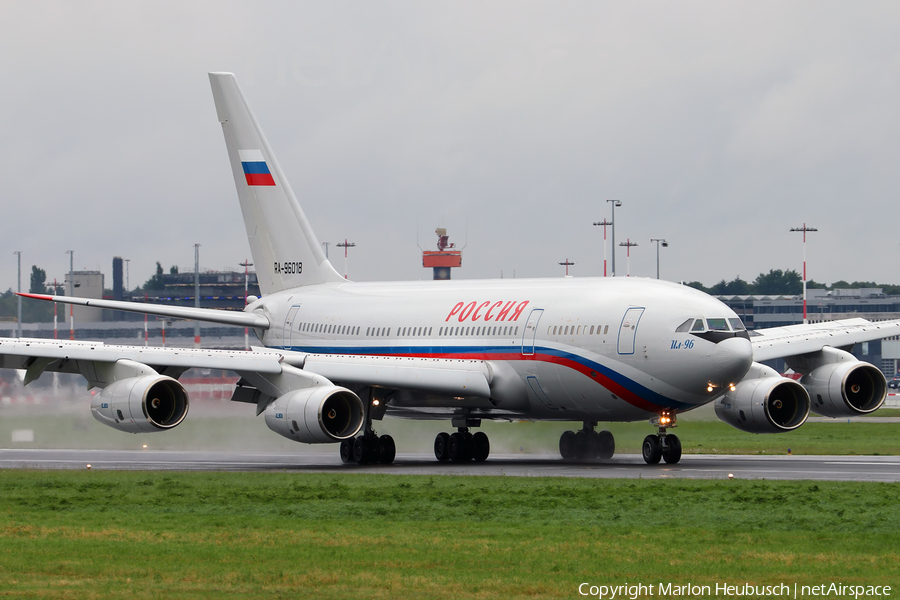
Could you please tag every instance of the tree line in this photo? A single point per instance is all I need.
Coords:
(789, 283)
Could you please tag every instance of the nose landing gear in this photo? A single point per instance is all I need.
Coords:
(587, 444)
(662, 445)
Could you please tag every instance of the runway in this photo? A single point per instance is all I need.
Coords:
(628, 466)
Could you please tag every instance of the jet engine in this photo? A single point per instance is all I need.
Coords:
(764, 402)
(845, 389)
(316, 415)
(141, 404)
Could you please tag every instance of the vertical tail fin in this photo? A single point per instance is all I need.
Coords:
(285, 250)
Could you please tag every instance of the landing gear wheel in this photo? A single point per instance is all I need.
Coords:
(347, 451)
(387, 450)
(361, 450)
(567, 448)
(582, 444)
(672, 452)
(606, 444)
(481, 447)
(651, 449)
(457, 448)
(442, 446)
(592, 447)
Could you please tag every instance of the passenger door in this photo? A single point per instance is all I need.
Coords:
(530, 331)
(628, 329)
(288, 327)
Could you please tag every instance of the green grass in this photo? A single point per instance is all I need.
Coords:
(94, 534)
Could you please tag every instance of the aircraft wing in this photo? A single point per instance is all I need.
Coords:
(65, 356)
(780, 342)
(450, 377)
(225, 317)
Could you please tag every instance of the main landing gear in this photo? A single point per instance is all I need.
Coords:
(463, 445)
(587, 444)
(662, 445)
(369, 448)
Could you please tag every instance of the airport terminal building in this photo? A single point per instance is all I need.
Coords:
(760, 312)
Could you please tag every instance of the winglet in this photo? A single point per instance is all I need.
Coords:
(35, 296)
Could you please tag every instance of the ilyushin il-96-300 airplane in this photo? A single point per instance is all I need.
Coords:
(337, 355)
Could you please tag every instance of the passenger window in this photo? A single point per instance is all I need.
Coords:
(698, 325)
(684, 327)
(737, 324)
(592, 330)
(579, 330)
(606, 330)
(717, 324)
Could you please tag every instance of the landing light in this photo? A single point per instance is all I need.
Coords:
(709, 388)
(375, 402)
(732, 387)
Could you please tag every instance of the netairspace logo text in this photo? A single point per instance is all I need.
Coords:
(726, 590)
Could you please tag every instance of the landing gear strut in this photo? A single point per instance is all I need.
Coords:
(368, 447)
(587, 444)
(462, 445)
(662, 445)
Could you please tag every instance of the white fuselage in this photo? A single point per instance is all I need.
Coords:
(602, 349)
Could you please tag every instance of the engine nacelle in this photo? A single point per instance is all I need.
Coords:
(846, 389)
(764, 402)
(141, 404)
(316, 415)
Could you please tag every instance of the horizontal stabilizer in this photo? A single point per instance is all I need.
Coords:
(210, 315)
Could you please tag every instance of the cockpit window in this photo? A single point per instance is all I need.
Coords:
(684, 327)
(737, 324)
(717, 324)
(698, 325)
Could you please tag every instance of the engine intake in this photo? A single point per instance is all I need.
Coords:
(141, 404)
(846, 389)
(316, 415)
(765, 402)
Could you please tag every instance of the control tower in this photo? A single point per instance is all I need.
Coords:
(444, 258)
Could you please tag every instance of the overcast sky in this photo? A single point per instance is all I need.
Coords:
(718, 125)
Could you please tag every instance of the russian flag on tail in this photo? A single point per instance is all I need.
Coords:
(255, 168)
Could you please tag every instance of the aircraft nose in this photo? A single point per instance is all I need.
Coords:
(732, 359)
